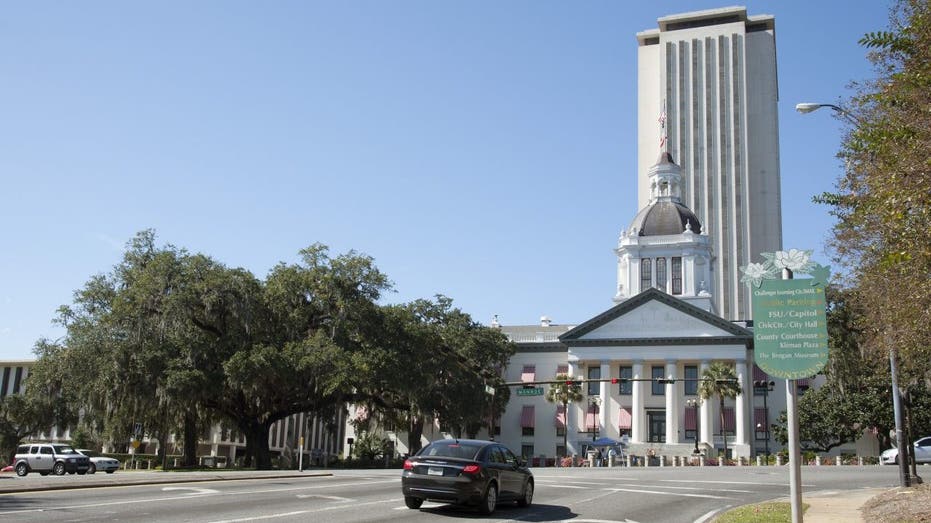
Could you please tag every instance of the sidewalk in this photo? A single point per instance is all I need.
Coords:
(837, 506)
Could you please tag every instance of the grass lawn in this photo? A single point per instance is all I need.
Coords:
(760, 513)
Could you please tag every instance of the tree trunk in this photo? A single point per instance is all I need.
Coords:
(190, 440)
(723, 430)
(565, 428)
(162, 454)
(414, 433)
(257, 438)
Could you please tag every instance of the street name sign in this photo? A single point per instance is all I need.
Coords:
(790, 334)
(535, 391)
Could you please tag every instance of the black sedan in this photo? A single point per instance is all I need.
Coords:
(467, 472)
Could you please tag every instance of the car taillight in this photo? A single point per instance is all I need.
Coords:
(471, 469)
(408, 465)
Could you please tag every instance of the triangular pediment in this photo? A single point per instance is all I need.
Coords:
(654, 315)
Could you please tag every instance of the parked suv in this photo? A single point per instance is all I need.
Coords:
(45, 458)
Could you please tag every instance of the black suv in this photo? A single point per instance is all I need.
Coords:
(45, 458)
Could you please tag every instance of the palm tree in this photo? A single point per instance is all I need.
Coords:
(719, 380)
(565, 392)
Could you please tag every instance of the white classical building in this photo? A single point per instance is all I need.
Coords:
(657, 341)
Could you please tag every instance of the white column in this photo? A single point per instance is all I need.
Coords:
(740, 405)
(672, 404)
(605, 394)
(572, 418)
(636, 396)
(705, 412)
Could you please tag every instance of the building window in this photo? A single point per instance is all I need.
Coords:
(560, 450)
(626, 387)
(594, 387)
(691, 380)
(677, 275)
(646, 274)
(661, 274)
(526, 451)
(526, 431)
(560, 431)
(659, 388)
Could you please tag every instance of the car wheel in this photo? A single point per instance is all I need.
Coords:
(92, 469)
(59, 469)
(490, 500)
(527, 498)
(412, 502)
(22, 469)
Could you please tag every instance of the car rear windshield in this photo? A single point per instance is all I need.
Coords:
(451, 449)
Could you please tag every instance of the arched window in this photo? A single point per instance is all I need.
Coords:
(661, 274)
(677, 275)
(646, 274)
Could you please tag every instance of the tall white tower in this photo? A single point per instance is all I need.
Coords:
(712, 76)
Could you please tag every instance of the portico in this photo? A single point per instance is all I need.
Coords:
(657, 347)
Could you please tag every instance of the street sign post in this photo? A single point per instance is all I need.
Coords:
(790, 336)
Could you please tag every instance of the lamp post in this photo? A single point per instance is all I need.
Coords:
(593, 403)
(765, 387)
(693, 404)
(904, 478)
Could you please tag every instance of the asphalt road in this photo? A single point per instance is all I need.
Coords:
(691, 494)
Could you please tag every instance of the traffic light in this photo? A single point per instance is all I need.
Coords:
(569, 383)
(763, 384)
(613, 381)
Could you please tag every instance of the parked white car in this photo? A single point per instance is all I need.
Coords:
(922, 453)
(98, 462)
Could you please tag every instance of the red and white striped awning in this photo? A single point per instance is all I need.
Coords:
(729, 419)
(560, 420)
(529, 373)
(624, 419)
(527, 417)
(759, 374)
(591, 418)
(690, 422)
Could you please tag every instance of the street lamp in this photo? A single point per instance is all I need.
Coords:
(765, 387)
(693, 404)
(807, 107)
(593, 403)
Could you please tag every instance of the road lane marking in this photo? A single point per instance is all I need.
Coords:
(195, 490)
(337, 499)
(661, 493)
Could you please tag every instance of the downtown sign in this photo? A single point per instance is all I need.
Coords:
(790, 336)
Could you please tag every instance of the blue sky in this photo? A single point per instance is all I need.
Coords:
(484, 150)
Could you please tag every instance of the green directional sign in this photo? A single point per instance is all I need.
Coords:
(534, 391)
(790, 334)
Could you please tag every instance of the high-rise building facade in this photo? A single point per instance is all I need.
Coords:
(707, 94)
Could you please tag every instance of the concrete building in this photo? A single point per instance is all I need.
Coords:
(710, 78)
(323, 436)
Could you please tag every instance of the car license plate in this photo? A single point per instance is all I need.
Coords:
(435, 471)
